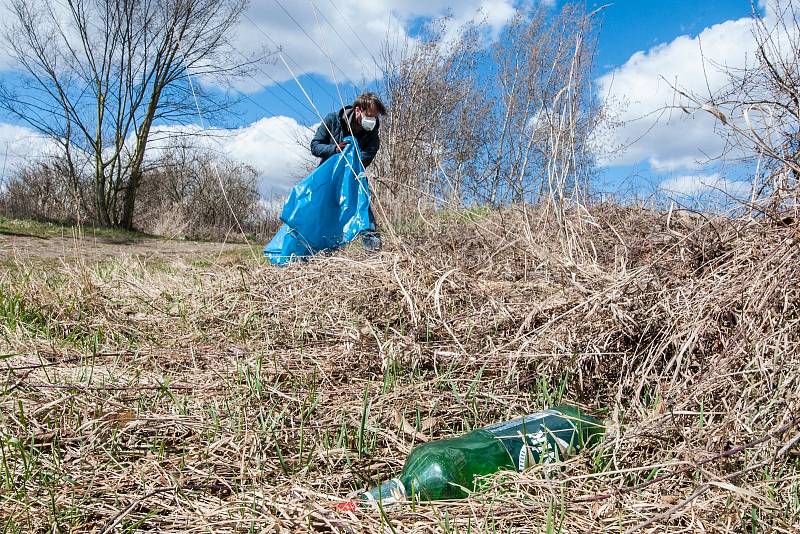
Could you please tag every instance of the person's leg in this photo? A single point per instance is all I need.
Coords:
(371, 239)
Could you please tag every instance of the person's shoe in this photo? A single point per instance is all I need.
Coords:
(371, 241)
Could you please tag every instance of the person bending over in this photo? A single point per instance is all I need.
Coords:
(360, 120)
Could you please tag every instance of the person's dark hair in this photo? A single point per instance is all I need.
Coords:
(367, 100)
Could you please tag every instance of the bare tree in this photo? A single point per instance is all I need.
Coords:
(99, 74)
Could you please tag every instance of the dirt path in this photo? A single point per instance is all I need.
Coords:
(25, 247)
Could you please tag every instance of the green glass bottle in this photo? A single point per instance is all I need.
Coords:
(446, 469)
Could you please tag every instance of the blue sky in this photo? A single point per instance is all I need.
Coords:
(639, 42)
(630, 25)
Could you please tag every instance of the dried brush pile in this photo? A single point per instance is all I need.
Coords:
(236, 397)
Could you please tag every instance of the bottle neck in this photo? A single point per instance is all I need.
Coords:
(387, 494)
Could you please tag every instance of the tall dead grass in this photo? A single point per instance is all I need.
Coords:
(236, 397)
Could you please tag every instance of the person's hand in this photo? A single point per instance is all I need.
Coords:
(342, 145)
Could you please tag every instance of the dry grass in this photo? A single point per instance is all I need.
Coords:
(242, 397)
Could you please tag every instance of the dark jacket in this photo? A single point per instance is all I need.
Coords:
(323, 146)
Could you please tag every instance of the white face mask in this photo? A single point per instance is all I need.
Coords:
(368, 123)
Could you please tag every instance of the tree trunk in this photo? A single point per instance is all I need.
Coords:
(130, 199)
(100, 198)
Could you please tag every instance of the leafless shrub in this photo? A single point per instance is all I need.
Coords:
(433, 131)
(758, 110)
(266, 218)
(181, 195)
(508, 124)
(194, 193)
(544, 111)
(42, 190)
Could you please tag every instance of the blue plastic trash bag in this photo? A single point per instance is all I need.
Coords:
(326, 210)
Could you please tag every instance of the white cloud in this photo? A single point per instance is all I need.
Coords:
(672, 140)
(18, 145)
(343, 39)
(699, 185)
(5, 60)
(641, 91)
(494, 14)
(277, 147)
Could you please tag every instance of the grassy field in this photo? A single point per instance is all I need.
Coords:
(202, 394)
(51, 244)
(24, 227)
